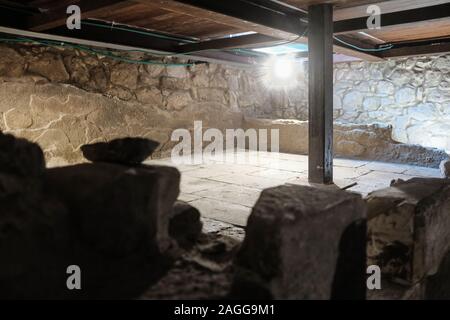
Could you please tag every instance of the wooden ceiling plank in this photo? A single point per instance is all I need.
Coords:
(203, 9)
(349, 50)
(58, 17)
(357, 11)
(261, 20)
(227, 43)
(428, 47)
(242, 20)
(395, 19)
(422, 30)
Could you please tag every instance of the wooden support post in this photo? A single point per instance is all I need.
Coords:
(320, 42)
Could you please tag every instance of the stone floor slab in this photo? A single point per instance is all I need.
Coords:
(424, 172)
(233, 194)
(260, 183)
(386, 167)
(223, 211)
(226, 188)
(192, 185)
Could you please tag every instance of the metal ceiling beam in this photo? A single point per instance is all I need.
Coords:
(349, 49)
(242, 14)
(395, 18)
(248, 15)
(121, 44)
(117, 36)
(58, 16)
(282, 7)
(250, 40)
(414, 48)
(12, 15)
(264, 20)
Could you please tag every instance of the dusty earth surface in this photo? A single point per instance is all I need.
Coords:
(205, 271)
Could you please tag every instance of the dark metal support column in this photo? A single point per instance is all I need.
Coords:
(320, 41)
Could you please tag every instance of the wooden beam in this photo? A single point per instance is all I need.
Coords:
(395, 18)
(360, 10)
(264, 19)
(124, 38)
(414, 48)
(348, 50)
(17, 7)
(282, 7)
(13, 14)
(320, 94)
(227, 43)
(213, 57)
(237, 14)
(116, 36)
(58, 17)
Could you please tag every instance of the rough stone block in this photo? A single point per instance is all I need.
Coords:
(365, 142)
(110, 220)
(133, 204)
(185, 225)
(129, 151)
(296, 242)
(445, 168)
(434, 287)
(409, 228)
(34, 246)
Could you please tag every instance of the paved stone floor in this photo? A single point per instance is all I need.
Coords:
(226, 189)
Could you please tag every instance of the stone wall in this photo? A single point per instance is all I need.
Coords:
(351, 141)
(411, 94)
(64, 98)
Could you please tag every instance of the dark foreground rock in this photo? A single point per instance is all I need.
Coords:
(110, 220)
(34, 247)
(20, 157)
(296, 245)
(409, 229)
(133, 204)
(185, 225)
(119, 224)
(128, 151)
(445, 168)
(204, 271)
(433, 287)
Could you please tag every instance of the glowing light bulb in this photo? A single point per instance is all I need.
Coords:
(282, 72)
(283, 68)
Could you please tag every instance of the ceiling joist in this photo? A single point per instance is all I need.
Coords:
(239, 14)
(272, 22)
(58, 17)
(395, 18)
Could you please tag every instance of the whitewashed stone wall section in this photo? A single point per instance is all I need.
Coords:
(411, 94)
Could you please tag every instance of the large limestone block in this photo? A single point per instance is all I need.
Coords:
(445, 168)
(185, 225)
(34, 245)
(365, 142)
(110, 220)
(288, 129)
(302, 243)
(409, 228)
(133, 204)
(127, 151)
